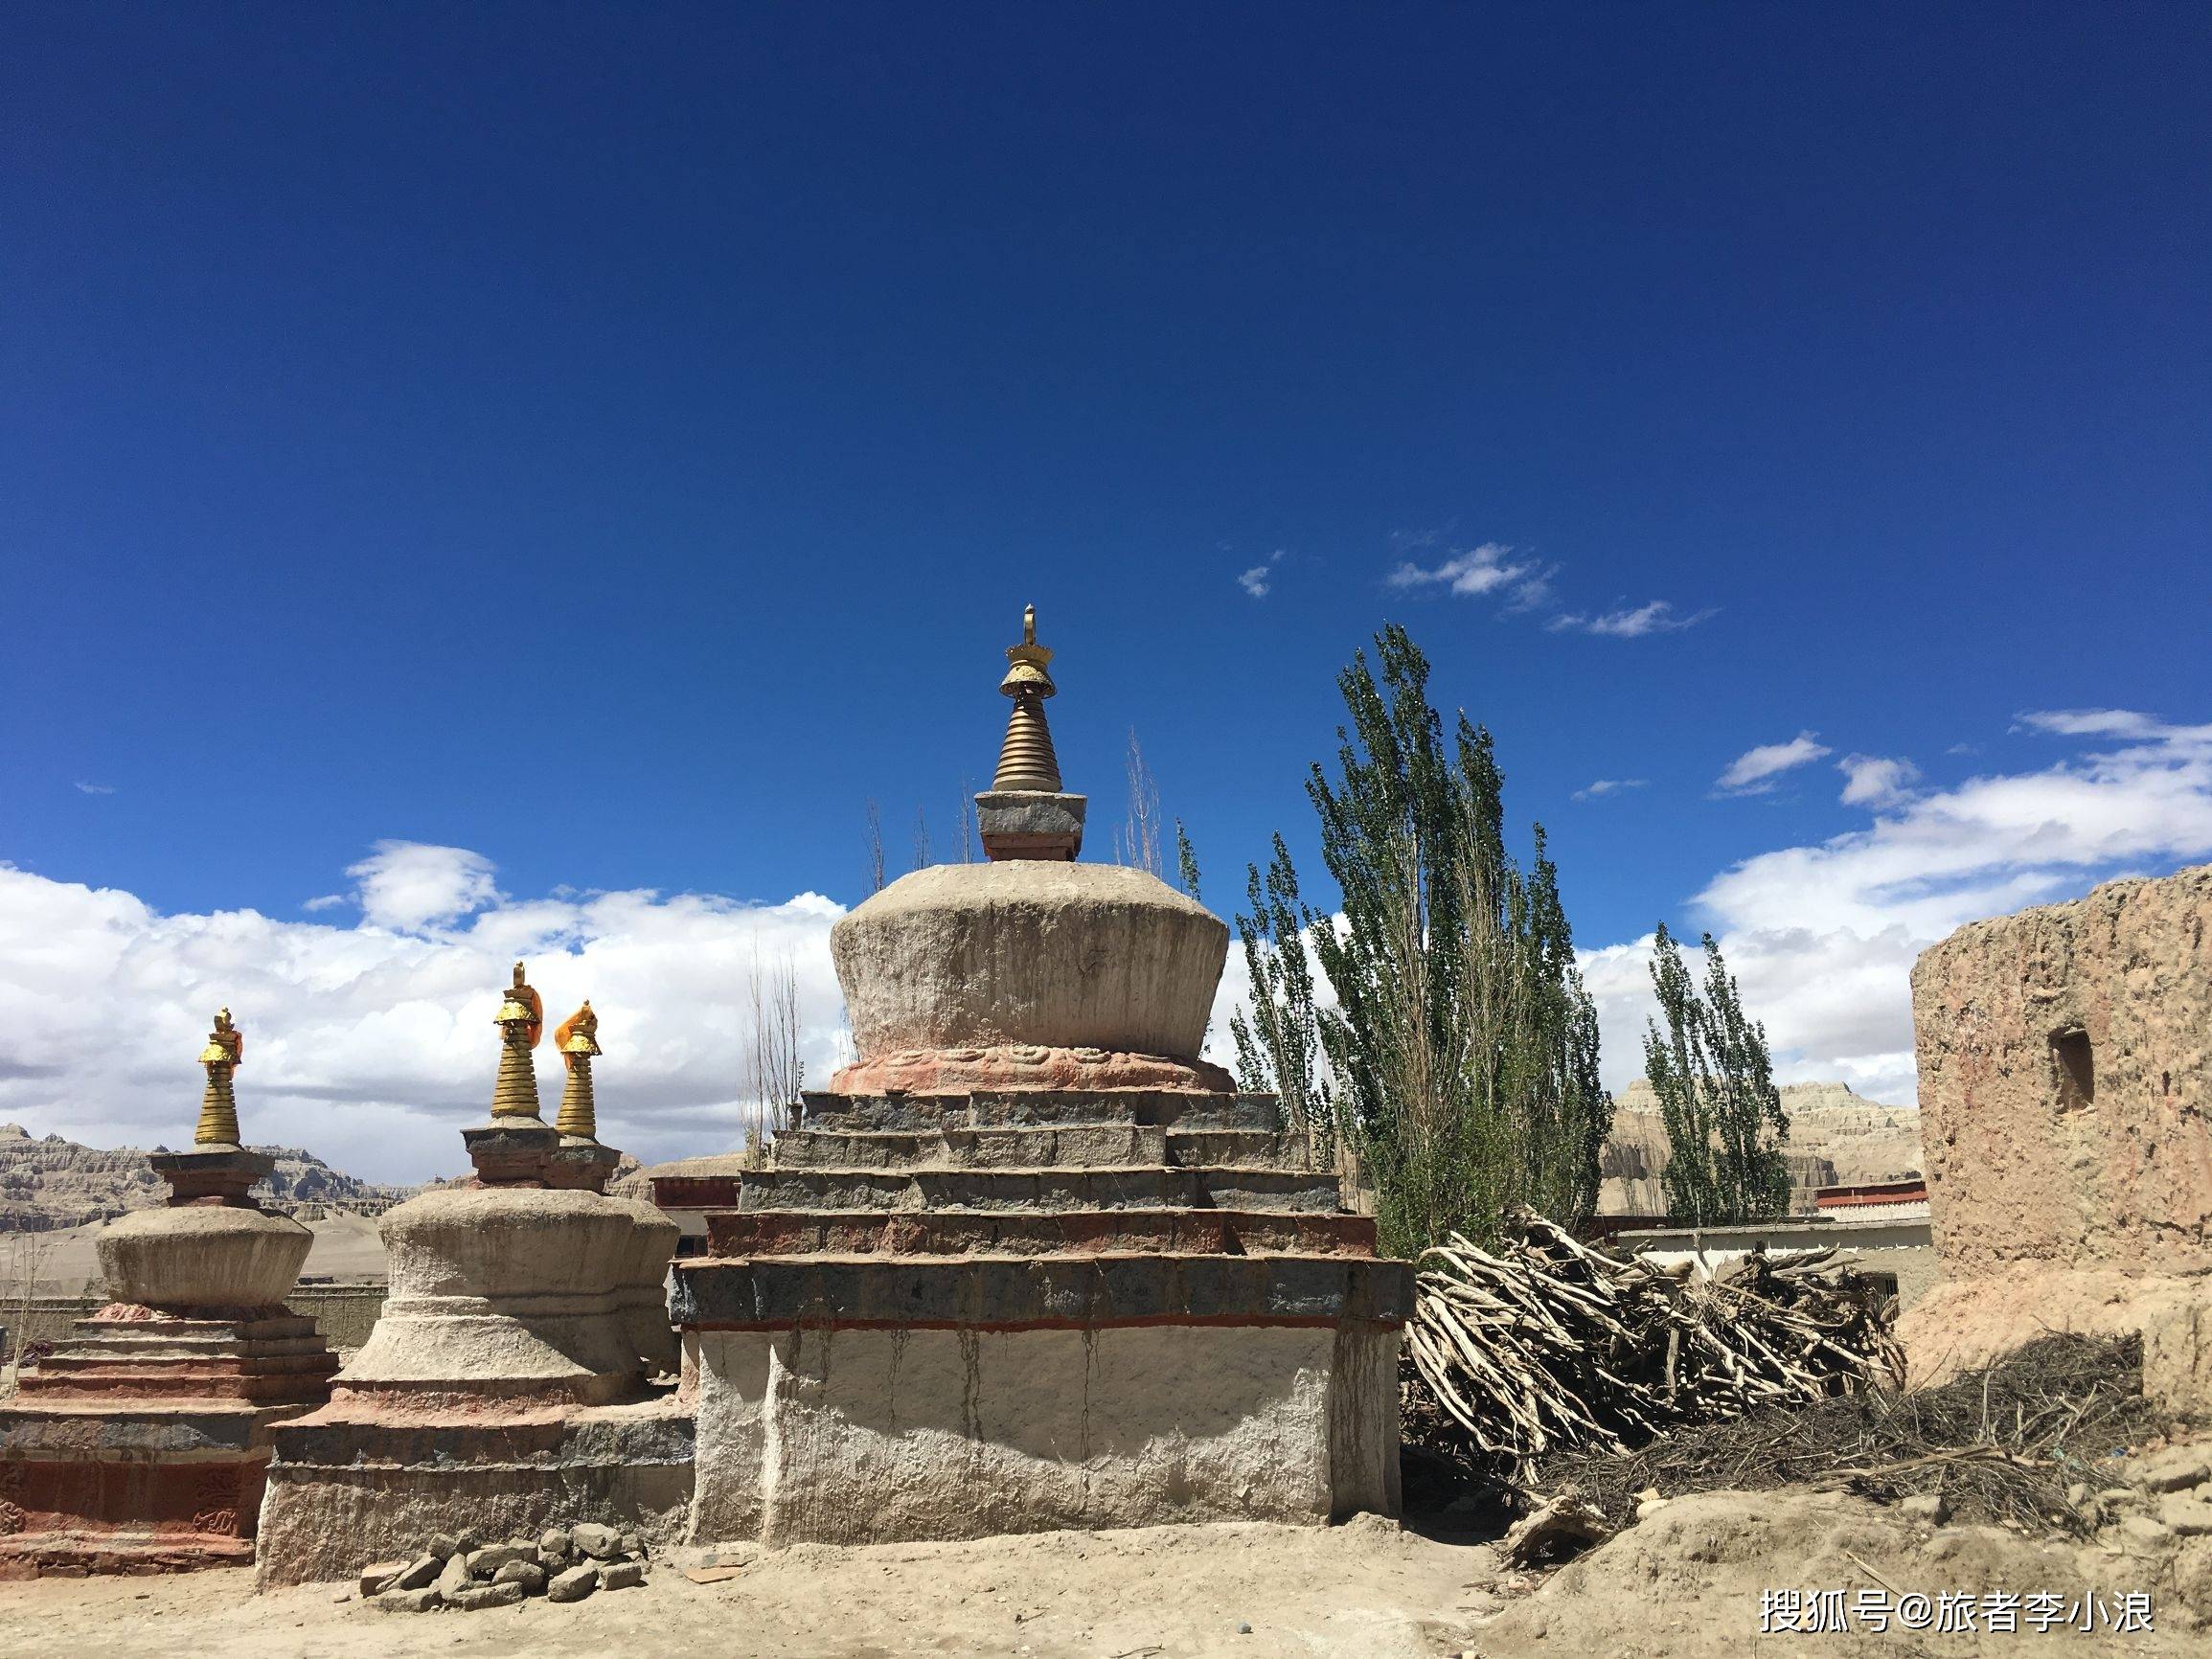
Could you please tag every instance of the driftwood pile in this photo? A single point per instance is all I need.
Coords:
(1550, 1344)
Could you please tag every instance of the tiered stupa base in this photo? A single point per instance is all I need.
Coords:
(506, 1386)
(143, 1444)
(964, 1314)
(367, 1480)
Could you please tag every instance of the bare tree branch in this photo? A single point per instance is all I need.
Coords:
(774, 1073)
(1138, 843)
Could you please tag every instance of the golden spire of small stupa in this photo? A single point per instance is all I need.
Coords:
(1025, 760)
(218, 1106)
(521, 1022)
(577, 1040)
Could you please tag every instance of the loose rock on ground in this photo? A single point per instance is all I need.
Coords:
(561, 1563)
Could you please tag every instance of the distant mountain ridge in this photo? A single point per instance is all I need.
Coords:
(48, 1183)
(1836, 1137)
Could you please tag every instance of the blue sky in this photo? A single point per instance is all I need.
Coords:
(616, 445)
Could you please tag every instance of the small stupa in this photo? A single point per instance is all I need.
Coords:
(996, 975)
(142, 1442)
(1032, 1263)
(641, 1300)
(508, 1384)
(576, 1042)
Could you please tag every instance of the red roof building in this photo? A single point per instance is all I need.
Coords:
(1872, 1200)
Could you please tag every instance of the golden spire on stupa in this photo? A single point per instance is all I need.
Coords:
(218, 1106)
(521, 1022)
(577, 1040)
(1025, 760)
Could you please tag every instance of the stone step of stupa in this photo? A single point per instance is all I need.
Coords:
(1004, 1293)
(1091, 1147)
(1159, 1108)
(153, 1365)
(754, 1233)
(1241, 1149)
(1053, 1189)
(292, 1379)
(156, 1548)
(252, 1326)
(111, 1344)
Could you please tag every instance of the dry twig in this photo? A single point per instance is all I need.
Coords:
(1554, 1345)
(2058, 1408)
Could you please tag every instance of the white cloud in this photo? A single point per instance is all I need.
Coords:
(2092, 723)
(1876, 781)
(372, 1046)
(1261, 577)
(1658, 616)
(1523, 583)
(1533, 591)
(94, 788)
(322, 901)
(1824, 937)
(1989, 844)
(408, 886)
(1477, 572)
(1603, 786)
(1753, 772)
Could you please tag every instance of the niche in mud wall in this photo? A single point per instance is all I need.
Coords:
(2074, 1066)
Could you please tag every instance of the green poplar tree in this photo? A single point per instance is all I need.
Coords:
(1715, 1081)
(1279, 1044)
(1186, 861)
(1462, 1049)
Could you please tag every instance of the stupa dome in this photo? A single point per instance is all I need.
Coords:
(215, 1256)
(1029, 974)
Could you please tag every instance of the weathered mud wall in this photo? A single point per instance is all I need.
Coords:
(2066, 1068)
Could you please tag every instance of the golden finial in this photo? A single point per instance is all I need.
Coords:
(577, 1040)
(218, 1106)
(1025, 760)
(1026, 661)
(521, 1022)
(522, 1005)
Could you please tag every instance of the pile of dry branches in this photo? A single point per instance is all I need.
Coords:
(2000, 1444)
(1551, 1344)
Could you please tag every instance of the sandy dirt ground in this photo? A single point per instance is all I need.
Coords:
(1688, 1583)
(1685, 1585)
(1362, 1589)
